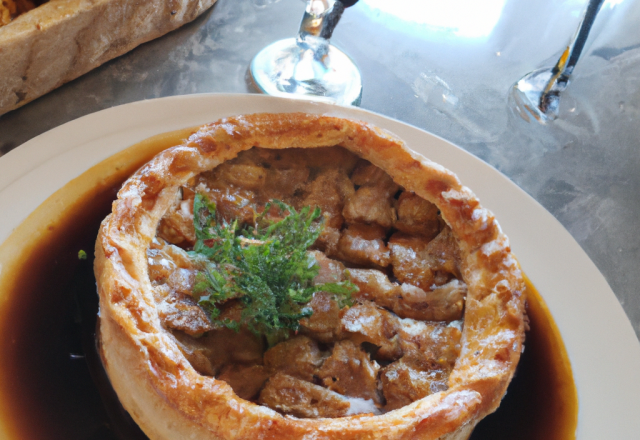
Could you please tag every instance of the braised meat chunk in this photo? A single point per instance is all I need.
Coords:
(367, 174)
(324, 324)
(430, 343)
(298, 357)
(328, 191)
(350, 372)
(302, 399)
(285, 183)
(417, 216)
(403, 384)
(163, 259)
(250, 176)
(219, 347)
(368, 323)
(425, 263)
(180, 312)
(372, 203)
(172, 274)
(444, 303)
(232, 203)
(429, 354)
(364, 245)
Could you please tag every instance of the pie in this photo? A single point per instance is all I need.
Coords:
(301, 276)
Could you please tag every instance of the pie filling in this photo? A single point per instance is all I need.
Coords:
(377, 326)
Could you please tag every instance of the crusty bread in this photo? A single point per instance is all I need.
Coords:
(170, 400)
(63, 39)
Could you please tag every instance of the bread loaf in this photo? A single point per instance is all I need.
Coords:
(63, 39)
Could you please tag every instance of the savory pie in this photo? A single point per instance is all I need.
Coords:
(304, 276)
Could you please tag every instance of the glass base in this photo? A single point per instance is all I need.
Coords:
(286, 68)
(528, 98)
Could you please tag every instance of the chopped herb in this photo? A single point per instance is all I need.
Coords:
(82, 255)
(266, 267)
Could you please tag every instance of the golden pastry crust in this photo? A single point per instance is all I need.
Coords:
(170, 400)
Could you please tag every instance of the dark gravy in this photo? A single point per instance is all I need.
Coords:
(52, 384)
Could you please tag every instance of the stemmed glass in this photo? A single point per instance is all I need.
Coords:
(538, 93)
(308, 66)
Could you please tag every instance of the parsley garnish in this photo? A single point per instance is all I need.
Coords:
(267, 267)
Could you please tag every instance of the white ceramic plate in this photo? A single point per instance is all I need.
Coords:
(604, 351)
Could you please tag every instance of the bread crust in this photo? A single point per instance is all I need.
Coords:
(63, 39)
(169, 399)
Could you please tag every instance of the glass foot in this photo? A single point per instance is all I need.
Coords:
(293, 69)
(533, 99)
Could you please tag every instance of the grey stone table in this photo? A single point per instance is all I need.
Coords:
(445, 68)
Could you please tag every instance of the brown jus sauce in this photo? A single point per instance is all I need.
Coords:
(53, 386)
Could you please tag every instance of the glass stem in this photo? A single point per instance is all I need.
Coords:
(318, 22)
(563, 69)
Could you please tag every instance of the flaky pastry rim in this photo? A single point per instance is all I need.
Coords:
(163, 385)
